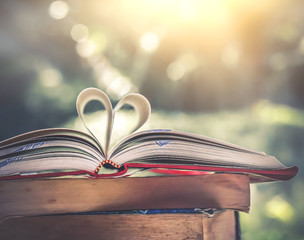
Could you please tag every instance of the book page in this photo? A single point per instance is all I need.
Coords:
(49, 150)
(52, 132)
(90, 94)
(176, 147)
(140, 104)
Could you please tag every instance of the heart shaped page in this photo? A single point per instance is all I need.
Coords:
(140, 104)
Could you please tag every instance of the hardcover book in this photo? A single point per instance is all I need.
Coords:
(32, 197)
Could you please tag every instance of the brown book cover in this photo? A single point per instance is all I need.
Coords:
(54, 196)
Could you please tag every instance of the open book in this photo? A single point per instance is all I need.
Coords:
(70, 153)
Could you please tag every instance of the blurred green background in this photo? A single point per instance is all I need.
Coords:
(229, 69)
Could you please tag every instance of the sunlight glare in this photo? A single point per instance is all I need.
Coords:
(108, 75)
(187, 10)
(85, 49)
(182, 65)
(175, 71)
(58, 9)
(230, 56)
(79, 33)
(149, 41)
(119, 87)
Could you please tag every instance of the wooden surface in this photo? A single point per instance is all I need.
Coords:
(121, 226)
(37, 197)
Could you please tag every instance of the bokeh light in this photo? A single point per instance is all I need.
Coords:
(50, 77)
(280, 209)
(149, 41)
(86, 49)
(175, 71)
(80, 33)
(58, 9)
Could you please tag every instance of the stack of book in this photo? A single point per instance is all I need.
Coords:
(156, 183)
